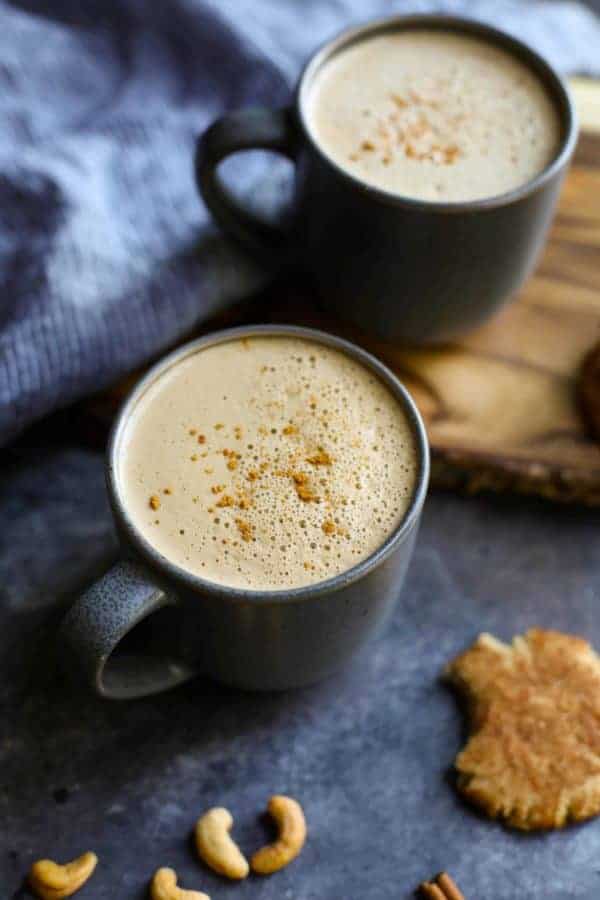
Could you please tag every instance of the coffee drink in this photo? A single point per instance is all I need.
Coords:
(267, 463)
(433, 115)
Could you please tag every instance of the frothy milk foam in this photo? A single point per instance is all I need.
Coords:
(267, 463)
(433, 115)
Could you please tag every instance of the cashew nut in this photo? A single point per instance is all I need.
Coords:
(215, 845)
(164, 887)
(51, 881)
(292, 834)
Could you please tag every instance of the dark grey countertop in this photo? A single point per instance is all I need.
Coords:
(368, 753)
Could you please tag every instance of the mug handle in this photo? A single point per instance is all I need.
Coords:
(249, 129)
(101, 618)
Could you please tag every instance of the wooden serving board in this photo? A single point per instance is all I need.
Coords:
(500, 405)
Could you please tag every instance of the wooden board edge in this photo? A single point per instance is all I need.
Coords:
(586, 95)
(469, 476)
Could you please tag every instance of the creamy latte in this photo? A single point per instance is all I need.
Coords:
(433, 115)
(267, 463)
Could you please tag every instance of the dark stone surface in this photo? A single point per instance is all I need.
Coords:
(368, 753)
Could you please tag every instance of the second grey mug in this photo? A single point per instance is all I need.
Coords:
(257, 640)
(400, 268)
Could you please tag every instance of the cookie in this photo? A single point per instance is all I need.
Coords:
(588, 389)
(533, 757)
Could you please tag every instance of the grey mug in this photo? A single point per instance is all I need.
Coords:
(268, 640)
(400, 268)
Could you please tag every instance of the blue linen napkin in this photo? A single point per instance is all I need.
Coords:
(106, 253)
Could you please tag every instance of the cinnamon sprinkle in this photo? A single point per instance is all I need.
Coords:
(450, 154)
(306, 494)
(320, 458)
(245, 529)
(304, 490)
(232, 458)
(399, 101)
(244, 501)
(330, 527)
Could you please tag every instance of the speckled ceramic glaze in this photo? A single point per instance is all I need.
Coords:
(262, 641)
(106, 612)
(400, 268)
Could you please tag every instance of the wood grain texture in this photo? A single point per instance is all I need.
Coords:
(501, 405)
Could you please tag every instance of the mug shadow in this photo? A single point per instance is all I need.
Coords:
(57, 713)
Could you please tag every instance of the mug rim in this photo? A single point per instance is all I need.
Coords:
(176, 573)
(551, 79)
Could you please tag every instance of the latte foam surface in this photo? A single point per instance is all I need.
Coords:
(267, 463)
(433, 116)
